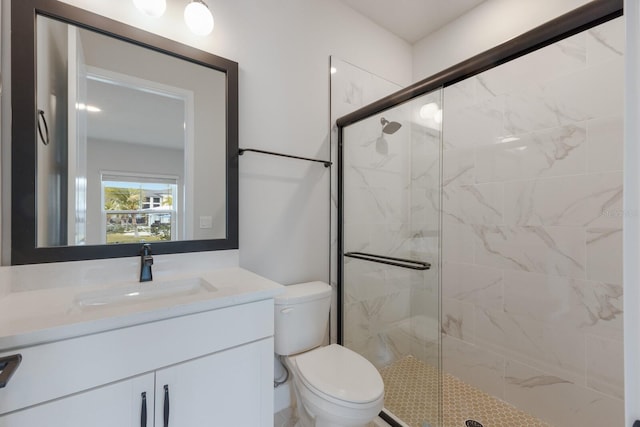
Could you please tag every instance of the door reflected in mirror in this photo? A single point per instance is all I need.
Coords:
(136, 146)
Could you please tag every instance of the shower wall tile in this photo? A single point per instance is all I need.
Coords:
(480, 286)
(458, 168)
(388, 309)
(479, 367)
(605, 366)
(571, 201)
(375, 205)
(565, 100)
(366, 281)
(356, 322)
(474, 204)
(581, 305)
(487, 124)
(551, 250)
(604, 255)
(532, 230)
(548, 346)
(559, 401)
(553, 152)
(425, 300)
(458, 242)
(605, 42)
(605, 138)
(458, 319)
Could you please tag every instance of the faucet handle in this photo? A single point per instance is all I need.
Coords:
(146, 249)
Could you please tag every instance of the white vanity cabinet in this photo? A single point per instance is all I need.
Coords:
(217, 367)
(222, 389)
(117, 404)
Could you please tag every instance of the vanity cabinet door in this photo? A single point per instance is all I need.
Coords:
(118, 404)
(230, 388)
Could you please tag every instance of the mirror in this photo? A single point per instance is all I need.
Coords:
(128, 138)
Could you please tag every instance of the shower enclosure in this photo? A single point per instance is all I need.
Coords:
(391, 204)
(480, 233)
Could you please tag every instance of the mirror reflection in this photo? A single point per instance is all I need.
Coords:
(131, 145)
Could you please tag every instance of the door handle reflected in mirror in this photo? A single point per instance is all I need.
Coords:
(45, 137)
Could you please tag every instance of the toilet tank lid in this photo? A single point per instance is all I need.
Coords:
(302, 292)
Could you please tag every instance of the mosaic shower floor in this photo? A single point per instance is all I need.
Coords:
(411, 389)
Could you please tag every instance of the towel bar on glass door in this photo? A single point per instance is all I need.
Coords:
(398, 262)
(326, 163)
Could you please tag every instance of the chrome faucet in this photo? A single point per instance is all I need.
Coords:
(146, 261)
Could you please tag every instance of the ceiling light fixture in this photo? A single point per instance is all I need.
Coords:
(85, 107)
(154, 8)
(198, 17)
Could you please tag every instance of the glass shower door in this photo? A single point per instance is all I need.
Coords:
(391, 261)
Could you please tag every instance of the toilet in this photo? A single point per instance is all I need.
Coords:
(333, 385)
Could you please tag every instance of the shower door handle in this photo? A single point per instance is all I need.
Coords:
(397, 262)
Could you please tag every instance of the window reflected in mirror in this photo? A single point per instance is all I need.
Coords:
(139, 209)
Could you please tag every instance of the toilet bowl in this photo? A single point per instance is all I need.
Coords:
(334, 386)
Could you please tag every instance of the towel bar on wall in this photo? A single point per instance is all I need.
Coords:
(326, 163)
(397, 262)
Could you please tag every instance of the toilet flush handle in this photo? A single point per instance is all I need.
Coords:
(286, 310)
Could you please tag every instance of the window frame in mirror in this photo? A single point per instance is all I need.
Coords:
(24, 249)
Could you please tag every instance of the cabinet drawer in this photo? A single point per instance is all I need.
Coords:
(57, 369)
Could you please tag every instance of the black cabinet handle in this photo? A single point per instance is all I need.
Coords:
(8, 366)
(143, 411)
(166, 405)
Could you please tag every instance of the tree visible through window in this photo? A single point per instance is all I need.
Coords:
(139, 208)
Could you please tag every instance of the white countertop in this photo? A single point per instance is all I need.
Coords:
(34, 317)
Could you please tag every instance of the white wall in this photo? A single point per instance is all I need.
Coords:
(283, 50)
(487, 25)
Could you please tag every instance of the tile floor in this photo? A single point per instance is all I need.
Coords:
(411, 390)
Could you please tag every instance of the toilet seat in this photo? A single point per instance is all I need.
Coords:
(341, 376)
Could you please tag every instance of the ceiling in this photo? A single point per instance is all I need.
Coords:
(120, 119)
(412, 20)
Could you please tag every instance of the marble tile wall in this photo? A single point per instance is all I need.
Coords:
(532, 230)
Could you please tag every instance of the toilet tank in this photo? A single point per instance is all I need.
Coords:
(301, 317)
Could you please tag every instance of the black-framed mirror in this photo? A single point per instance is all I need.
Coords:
(119, 137)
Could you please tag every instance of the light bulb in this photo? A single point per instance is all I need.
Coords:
(198, 18)
(429, 110)
(154, 8)
(437, 117)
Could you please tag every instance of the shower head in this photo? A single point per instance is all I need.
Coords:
(389, 127)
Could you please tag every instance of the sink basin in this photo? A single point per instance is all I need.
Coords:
(143, 292)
